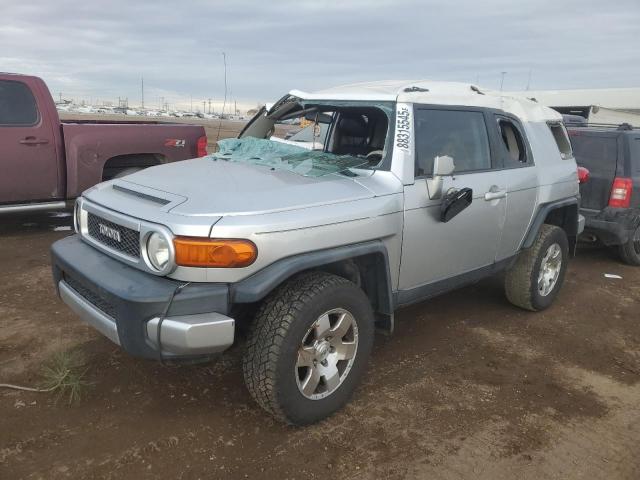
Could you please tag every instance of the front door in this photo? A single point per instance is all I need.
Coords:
(28, 164)
(435, 251)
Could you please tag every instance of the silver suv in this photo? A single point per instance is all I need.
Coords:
(407, 190)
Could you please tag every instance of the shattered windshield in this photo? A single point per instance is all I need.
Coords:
(283, 156)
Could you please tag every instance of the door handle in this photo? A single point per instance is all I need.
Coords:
(495, 194)
(33, 141)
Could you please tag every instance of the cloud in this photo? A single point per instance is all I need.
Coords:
(101, 49)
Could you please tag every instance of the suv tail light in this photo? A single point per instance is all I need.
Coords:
(583, 175)
(621, 193)
(201, 146)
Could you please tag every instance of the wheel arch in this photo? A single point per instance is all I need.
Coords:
(120, 162)
(563, 214)
(365, 264)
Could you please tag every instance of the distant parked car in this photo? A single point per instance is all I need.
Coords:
(45, 162)
(611, 197)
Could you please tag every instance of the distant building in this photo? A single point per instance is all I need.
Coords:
(597, 105)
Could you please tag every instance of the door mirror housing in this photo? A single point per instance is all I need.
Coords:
(443, 166)
(454, 202)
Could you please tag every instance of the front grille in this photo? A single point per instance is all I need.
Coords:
(92, 297)
(125, 240)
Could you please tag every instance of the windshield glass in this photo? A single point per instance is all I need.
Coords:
(284, 156)
(361, 129)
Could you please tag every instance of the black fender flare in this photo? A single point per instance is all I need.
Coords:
(542, 214)
(377, 285)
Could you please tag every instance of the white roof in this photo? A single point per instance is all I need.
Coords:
(435, 93)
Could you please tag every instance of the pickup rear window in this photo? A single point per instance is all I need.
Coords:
(17, 105)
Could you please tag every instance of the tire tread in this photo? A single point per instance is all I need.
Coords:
(270, 328)
(518, 278)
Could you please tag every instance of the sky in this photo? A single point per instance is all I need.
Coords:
(97, 51)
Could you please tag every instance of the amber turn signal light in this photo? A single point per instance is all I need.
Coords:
(220, 253)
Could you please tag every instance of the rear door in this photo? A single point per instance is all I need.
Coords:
(28, 166)
(522, 183)
(598, 152)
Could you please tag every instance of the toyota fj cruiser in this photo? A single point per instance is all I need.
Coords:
(418, 188)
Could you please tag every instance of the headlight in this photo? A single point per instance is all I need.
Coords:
(158, 250)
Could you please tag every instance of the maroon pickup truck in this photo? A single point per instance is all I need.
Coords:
(44, 162)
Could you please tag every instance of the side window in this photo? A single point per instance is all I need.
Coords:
(459, 134)
(562, 140)
(516, 150)
(17, 105)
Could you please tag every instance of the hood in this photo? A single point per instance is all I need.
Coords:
(215, 188)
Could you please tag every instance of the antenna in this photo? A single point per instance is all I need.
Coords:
(224, 103)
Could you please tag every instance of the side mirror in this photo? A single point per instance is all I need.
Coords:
(442, 167)
(454, 202)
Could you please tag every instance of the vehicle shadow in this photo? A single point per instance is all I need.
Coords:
(58, 221)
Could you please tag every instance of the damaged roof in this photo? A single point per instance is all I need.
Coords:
(435, 93)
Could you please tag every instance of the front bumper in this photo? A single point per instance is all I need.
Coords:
(125, 304)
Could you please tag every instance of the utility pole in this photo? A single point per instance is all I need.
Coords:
(204, 106)
(142, 90)
(60, 93)
(191, 107)
(235, 107)
(529, 80)
(502, 79)
(209, 111)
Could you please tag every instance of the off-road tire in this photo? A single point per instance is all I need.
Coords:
(630, 252)
(521, 280)
(280, 325)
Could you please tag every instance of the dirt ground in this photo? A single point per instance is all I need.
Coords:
(467, 387)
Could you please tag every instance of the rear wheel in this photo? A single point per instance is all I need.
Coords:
(630, 252)
(537, 276)
(309, 347)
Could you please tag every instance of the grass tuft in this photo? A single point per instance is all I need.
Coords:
(65, 375)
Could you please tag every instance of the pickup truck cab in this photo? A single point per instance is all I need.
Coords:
(418, 188)
(45, 162)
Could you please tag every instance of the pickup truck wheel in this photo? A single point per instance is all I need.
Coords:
(630, 252)
(309, 347)
(535, 280)
(126, 171)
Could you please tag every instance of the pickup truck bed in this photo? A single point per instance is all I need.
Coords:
(44, 162)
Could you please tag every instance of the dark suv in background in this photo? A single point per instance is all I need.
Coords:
(611, 197)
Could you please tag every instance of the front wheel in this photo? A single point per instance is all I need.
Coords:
(309, 347)
(535, 279)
